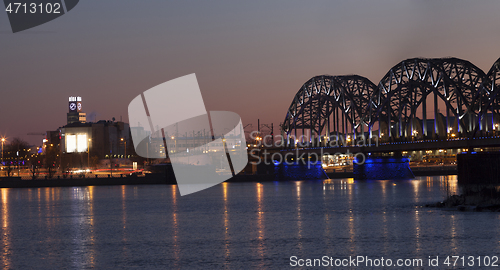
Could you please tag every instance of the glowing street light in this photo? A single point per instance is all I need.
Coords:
(125, 142)
(3, 140)
(175, 142)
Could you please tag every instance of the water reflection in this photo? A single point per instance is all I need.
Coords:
(82, 220)
(385, 225)
(348, 186)
(327, 184)
(453, 234)
(418, 247)
(249, 225)
(125, 248)
(5, 229)
(452, 182)
(175, 225)
(416, 185)
(227, 239)
(429, 183)
(299, 213)
(260, 220)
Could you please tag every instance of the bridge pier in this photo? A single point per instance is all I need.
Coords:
(383, 168)
(478, 168)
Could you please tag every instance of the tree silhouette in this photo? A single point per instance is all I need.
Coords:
(51, 159)
(17, 151)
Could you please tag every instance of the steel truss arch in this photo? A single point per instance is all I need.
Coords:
(464, 101)
(453, 85)
(489, 100)
(327, 101)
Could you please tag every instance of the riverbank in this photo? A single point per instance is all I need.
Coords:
(425, 171)
(162, 179)
(17, 182)
(474, 198)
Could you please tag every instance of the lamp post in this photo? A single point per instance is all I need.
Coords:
(175, 142)
(111, 163)
(88, 154)
(18, 169)
(125, 142)
(3, 140)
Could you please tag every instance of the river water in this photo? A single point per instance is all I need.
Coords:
(239, 225)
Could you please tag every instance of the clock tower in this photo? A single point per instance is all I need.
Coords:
(75, 114)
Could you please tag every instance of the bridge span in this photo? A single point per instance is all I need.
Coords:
(464, 144)
(417, 100)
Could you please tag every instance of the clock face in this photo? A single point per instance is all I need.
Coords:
(72, 106)
(79, 105)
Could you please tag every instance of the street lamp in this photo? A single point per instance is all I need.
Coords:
(18, 168)
(3, 140)
(175, 142)
(88, 154)
(125, 142)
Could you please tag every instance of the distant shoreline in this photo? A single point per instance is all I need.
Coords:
(162, 179)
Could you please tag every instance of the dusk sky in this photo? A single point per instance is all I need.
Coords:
(249, 57)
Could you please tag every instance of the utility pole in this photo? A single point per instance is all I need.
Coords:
(272, 133)
(267, 129)
(111, 164)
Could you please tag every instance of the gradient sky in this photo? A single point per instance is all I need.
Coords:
(249, 57)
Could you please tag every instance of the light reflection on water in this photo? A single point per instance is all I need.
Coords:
(175, 226)
(5, 230)
(236, 225)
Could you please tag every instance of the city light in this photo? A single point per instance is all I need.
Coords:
(76, 143)
(82, 143)
(70, 143)
(3, 141)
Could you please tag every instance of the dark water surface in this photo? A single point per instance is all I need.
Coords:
(237, 225)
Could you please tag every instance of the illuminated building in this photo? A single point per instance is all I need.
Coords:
(75, 114)
(79, 138)
(103, 138)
